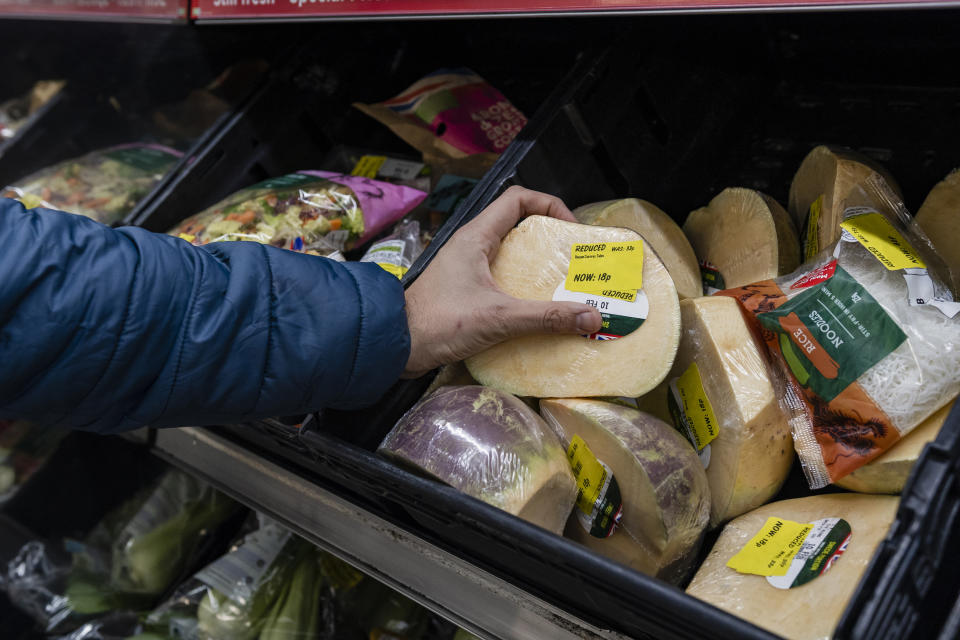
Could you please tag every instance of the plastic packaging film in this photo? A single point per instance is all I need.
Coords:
(664, 235)
(398, 251)
(722, 395)
(632, 352)
(104, 185)
(784, 604)
(866, 337)
(489, 445)
(129, 559)
(314, 212)
(650, 504)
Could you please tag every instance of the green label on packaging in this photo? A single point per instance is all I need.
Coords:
(711, 277)
(832, 333)
(822, 546)
(148, 159)
(284, 182)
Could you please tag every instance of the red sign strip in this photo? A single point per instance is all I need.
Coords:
(162, 10)
(287, 9)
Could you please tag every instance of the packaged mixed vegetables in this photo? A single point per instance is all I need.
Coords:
(104, 185)
(315, 212)
(126, 563)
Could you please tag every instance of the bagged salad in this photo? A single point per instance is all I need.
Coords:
(129, 559)
(866, 337)
(104, 185)
(315, 212)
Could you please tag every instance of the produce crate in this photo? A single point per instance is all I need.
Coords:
(675, 112)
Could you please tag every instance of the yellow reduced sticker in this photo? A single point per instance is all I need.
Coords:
(588, 471)
(612, 267)
(368, 166)
(697, 407)
(395, 269)
(879, 237)
(811, 244)
(770, 552)
(189, 237)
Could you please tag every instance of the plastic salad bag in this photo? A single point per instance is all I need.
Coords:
(18, 112)
(104, 185)
(129, 559)
(451, 113)
(866, 336)
(316, 212)
(24, 447)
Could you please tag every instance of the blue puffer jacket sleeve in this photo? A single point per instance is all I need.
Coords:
(112, 329)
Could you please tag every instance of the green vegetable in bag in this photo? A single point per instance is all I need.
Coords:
(296, 614)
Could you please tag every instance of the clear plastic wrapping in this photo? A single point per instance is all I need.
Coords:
(316, 212)
(130, 558)
(723, 396)
(490, 445)
(799, 611)
(866, 336)
(649, 482)
(630, 354)
(104, 185)
(397, 252)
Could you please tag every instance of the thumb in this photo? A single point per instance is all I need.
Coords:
(526, 317)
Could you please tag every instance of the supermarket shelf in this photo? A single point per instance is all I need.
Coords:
(452, 588)
(289, 10)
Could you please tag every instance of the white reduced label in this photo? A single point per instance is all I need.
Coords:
(825, 543)
(620, 317)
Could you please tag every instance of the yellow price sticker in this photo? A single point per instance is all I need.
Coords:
(614, 267)
(697, 407)
(189, 237)
(770, 552)
(368, 166)
(588, 472)
(394, 269)
(812, 244)
(880, 238)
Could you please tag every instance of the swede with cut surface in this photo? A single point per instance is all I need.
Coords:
(489, 445)
(666, 500)
(531, 263)
(657, 228)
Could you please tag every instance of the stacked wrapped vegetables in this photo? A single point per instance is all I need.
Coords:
(684, 413)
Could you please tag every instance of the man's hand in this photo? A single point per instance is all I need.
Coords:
(455, 310)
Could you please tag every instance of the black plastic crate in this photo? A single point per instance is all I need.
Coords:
(675, 112)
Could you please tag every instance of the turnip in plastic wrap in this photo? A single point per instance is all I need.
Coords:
(723, 396)
(316, 212)
(104, 185)
(866, 335)
(647, 504)
(632, 352)
(807, 601)
(490, 445)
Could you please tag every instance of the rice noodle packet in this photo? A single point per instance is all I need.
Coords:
(452, 113)
(866, 337)
(316, 212)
